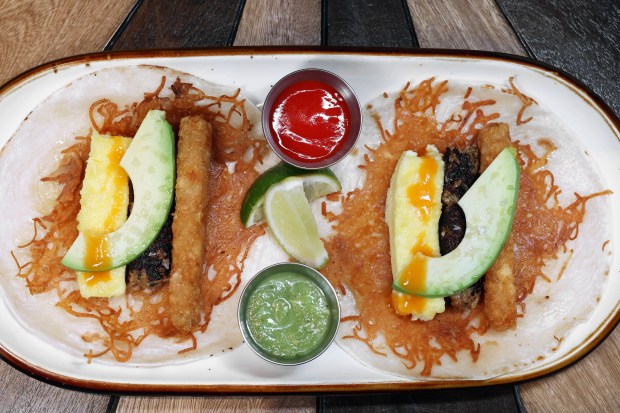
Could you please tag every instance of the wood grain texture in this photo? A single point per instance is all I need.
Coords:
(181, 23)
(493, 399)
(293, 404)
(368, 23)
(34, 31)
(591, 385)
(463, 24)
(20, 393)
(280, 22)
(581, 37)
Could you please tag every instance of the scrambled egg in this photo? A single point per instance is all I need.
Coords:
(413, 209)
(103, 208)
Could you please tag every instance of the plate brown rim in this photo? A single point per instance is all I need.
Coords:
(67, 382)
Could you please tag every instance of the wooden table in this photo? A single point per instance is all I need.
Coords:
(580, 37)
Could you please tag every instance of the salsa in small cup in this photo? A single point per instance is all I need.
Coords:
(311, 118)
(289, 314)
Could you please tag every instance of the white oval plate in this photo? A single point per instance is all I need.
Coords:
(370, 74)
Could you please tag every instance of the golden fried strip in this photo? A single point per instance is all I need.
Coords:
(492, 139)
(500, 296)
(189, 225)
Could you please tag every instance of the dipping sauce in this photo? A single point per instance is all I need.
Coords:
(288, 315)
(310, 120)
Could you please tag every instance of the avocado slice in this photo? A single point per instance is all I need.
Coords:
(150, 164)
(489, 208)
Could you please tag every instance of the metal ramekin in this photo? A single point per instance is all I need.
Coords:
(320, 281)
(332, 80)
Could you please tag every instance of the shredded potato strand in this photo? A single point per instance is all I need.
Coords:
(541, 226)
(229, 242)
(525, 100)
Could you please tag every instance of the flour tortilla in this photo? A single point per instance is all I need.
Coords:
(572, 299)
(33, 152)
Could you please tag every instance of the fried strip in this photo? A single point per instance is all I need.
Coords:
(500, 296)
(189, 224)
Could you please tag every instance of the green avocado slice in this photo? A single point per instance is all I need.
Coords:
(150, 165)
(489, 208)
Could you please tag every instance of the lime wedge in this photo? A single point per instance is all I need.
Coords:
(292, 224)
(316, 183)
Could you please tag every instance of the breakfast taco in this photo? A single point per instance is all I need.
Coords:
(411, 197)
(159, 159)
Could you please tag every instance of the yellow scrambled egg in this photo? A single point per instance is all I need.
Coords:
(104, 200)
(413, 209)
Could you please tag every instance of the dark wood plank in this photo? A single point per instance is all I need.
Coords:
(581, 37)
(280, 22)
(21, 393)
(181, 23)
(490, 399)
(384, 23)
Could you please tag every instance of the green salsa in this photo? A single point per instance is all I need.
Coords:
(288, 315)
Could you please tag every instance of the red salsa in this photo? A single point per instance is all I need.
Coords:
(310, 120)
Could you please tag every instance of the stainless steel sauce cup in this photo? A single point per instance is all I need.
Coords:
(345, 91)
(312, 275)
